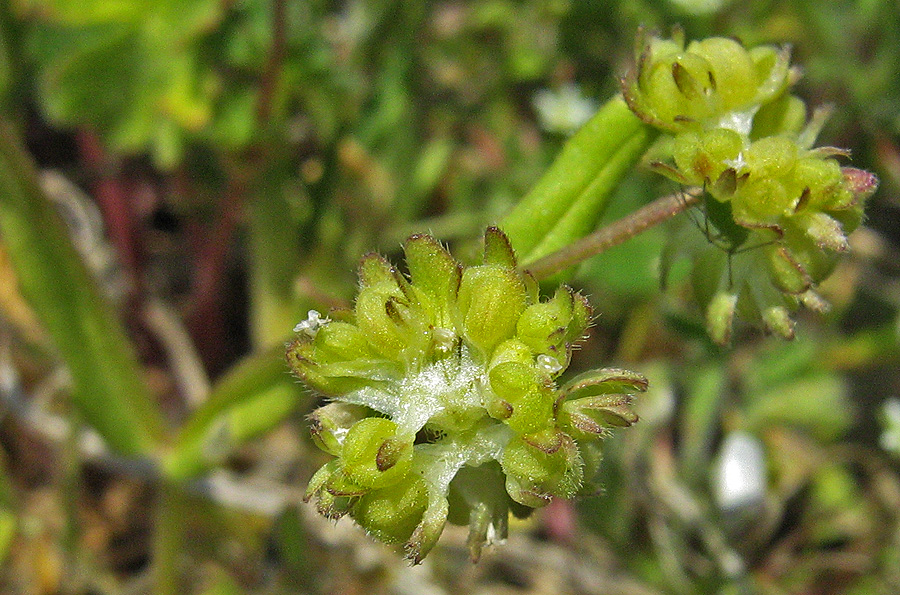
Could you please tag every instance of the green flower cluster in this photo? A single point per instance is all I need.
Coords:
(777, 211)
(444, 402)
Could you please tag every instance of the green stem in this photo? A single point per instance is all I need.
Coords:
(107, 386)
(662, 209)
(570, 198)
(275, 261)
(168, 540)
(257, 376)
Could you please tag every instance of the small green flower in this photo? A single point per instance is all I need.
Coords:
(777, 211)
(444, 402)
(713, 83)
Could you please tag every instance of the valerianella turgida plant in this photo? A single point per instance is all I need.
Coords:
(444, 404)
(777, 210)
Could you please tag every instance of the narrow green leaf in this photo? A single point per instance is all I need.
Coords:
(569, 199)
(7, 532)
(107, 386)
(253, 378)
(702, 405)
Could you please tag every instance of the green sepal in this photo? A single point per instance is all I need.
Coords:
(341, 341)
(317, 482)
(374, 269)
(785, 115)
(591, 417)
(497, 249)
(333, 507)
(392, 514)
(329, 486)
(524, 403)
(434, 272)
(543, 326)
(772, 156)
(299, 357)
(491, 299)
(374, 456)
(340, 485)
(605, 381)
(384, 314)
(329, 424)
(582, 315)
(786, 273)
(825, 231)
(426, 534)
(511, 350)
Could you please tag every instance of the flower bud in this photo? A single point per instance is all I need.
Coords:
(392, 514)
(534, 475)
(329, 425)
(779, 207)
(719, 317)
(543, 326)
(714, 82)
(491, 299)
(599, 400)
(374, 456)
(778, 320)
(591, 417)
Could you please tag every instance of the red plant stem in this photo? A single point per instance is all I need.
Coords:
(206, 318)
(269, 81)
(114, 201)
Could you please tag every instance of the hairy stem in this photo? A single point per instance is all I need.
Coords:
(662, 209)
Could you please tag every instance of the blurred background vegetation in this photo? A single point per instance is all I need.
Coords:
(221, 166)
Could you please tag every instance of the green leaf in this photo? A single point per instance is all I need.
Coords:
(569, 199)
(816, 402)
(253, 377)
(108, 390)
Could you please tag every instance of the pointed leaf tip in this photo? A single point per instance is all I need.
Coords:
(498, 249)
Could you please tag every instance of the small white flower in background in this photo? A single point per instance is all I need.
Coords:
(564, 110)
(890, 421)
(739, 477)
(314, 321)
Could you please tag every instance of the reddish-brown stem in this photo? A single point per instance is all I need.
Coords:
(205, 319)
(269, 82)
(615, 233)
(114, 201)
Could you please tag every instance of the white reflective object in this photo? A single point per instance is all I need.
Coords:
(739, 477)
(564, 110)
(444, 339)
(314, 321)
(549, 364)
